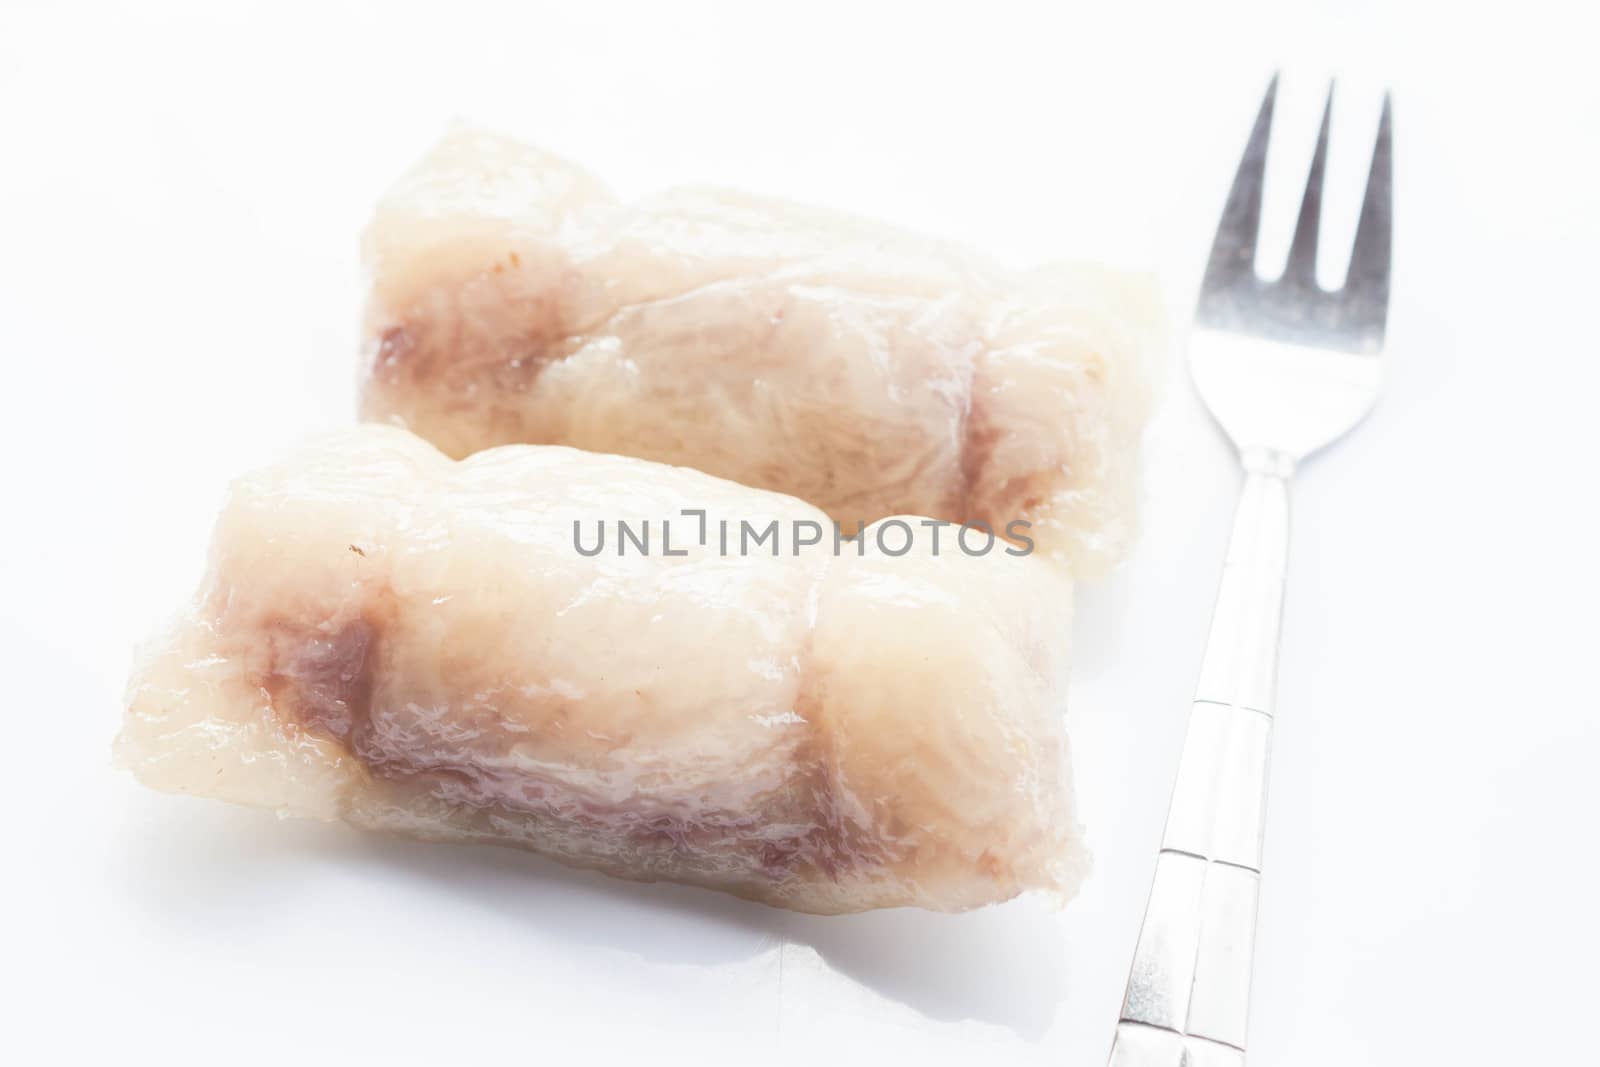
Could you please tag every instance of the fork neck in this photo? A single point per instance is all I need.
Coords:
(1267, 462)
(1241, 659)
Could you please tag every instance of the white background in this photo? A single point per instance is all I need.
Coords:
(180, 195)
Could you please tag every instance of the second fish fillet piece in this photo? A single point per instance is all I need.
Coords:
(418, 645)
(867, 370)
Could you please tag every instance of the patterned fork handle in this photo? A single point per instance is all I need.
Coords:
(1189, 992)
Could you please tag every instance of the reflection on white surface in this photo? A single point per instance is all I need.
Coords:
(194, 871)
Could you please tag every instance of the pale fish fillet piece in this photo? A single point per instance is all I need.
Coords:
(869, 371)
(414, 644)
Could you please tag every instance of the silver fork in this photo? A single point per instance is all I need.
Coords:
(1285, 368)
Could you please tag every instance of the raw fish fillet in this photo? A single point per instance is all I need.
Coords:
(869, 371)
(414, 644)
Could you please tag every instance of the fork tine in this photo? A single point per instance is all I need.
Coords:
(1367, 283)
(1233, 252)
(1301, 269)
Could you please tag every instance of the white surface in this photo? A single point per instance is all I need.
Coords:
(179, 200)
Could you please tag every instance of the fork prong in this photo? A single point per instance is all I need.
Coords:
(1233, 251)
(1301, 269)
(1366, 295)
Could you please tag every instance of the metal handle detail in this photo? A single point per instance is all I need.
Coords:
(1188, 994)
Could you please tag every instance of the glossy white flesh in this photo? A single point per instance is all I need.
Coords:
(414, 644)
(869, 371)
